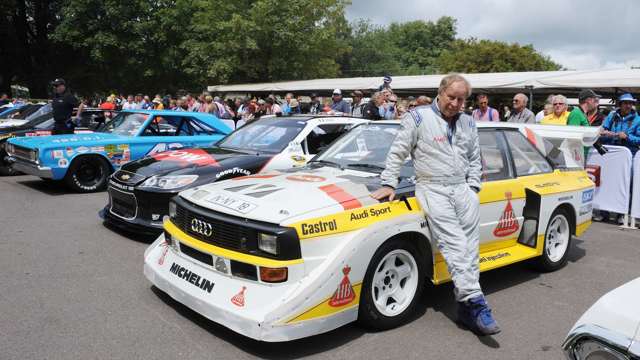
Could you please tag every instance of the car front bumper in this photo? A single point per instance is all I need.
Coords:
(31, 168)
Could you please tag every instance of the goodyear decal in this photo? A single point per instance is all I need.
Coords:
(354, 219)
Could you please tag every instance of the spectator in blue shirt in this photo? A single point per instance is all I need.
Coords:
(338, 104)
(622, 126)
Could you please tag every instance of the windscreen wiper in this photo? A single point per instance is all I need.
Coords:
(368, 166)
(327, 162)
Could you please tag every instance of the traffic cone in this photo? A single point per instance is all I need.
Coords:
(508, 224)
(344, 293)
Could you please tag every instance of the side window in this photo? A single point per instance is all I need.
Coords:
(493, 151)
(527, 159)
(323, 135)
(163, 126)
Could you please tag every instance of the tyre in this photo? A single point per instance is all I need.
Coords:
(88, 174)
(557, 241)
(392, 285)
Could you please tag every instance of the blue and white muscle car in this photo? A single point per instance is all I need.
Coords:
(85, 161)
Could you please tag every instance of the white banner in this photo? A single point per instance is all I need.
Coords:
(635, 203)
(613, 194)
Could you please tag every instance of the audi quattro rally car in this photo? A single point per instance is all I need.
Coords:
(139, 192)
(284, 255)
(42, 125)
(85, 161)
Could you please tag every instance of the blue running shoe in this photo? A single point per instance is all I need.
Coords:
(476, 315)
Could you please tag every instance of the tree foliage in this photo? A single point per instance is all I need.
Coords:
(481, 56)
(166, 45)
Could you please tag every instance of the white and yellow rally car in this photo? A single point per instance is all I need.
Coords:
(291, 254)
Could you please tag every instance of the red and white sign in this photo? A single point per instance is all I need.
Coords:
(39, 133)
(344, 293)
(238, 299)
(593, 171)
(187, 156)
(306, 178)
(508, 223)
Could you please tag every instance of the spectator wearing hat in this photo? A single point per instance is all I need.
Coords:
(357, 108)
(587, 103)
(294, 107)
(560, 114)
(339, 105)
(520, 113)
(622, 126)
(314, 106)
(157, 103)
(62, 105)
(484, 112)
(386, 83)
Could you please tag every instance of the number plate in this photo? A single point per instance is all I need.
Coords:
(238, 205)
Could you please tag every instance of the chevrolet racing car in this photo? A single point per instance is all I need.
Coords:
(85, 161)
(139, 192)
(284, 255)
(42, 125)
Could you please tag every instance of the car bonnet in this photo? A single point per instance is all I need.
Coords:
(34, 142)
(284, 197)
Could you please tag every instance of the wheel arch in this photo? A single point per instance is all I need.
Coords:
(422, 244)
(571, 211)
(92, 155)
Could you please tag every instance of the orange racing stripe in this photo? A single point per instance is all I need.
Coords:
(338, 194)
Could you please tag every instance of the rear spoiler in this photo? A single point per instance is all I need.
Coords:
(563, 145)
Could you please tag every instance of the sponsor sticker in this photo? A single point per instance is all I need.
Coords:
(298, 159)
(82, 149)
(234, 171)
(344, 294)
(123, 147)
(306, 178)
(57, 154)
(319, 227)
(97, 149)
(238, 205)
(587, 196)
(191, 277)
(547, 184)
(63, 163)
(186, 157)
(371, 212)
(494, 257)
(508, 224)
(586, 209)
(238, 299)
(110, 148)
(69, 151)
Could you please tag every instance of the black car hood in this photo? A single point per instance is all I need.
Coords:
(210, 164)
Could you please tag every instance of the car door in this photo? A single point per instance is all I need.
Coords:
(502, 196)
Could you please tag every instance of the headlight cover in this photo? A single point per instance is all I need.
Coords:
(268, 243)
(168, 182)
(591, 349)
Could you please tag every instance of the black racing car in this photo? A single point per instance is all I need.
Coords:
(42, 125)
(139, 192)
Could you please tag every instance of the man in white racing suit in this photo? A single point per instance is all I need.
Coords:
(443, 143)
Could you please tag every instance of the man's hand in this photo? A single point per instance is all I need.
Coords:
(622, 135)
(383, 193)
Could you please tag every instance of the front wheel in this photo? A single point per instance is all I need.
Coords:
(557, 242)
(88, 174)
(392, 285)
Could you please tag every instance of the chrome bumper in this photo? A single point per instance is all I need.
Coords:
(30, 168)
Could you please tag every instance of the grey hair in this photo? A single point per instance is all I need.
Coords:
(451, 79)
(525, 97)
(561, 98)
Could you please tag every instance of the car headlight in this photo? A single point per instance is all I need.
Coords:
(591, 349)
(268, 243)
(9, 148)
(169, 182)
(34, 155)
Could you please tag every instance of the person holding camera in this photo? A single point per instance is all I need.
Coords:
(63, 103)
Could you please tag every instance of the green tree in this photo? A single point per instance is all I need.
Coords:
(480, 56)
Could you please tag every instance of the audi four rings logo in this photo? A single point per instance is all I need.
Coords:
(201, 227)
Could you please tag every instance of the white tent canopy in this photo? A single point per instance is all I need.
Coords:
(606, 80)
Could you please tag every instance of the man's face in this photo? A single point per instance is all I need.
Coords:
(625, 107)
(483, 103)
(60, 89)
(592, 103)
(129, 98)
(451, 100)
(337, 97)
(146, 99)
(559, 106)
(518, 103)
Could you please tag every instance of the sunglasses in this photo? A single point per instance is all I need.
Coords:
(555, 104)
(515, 100)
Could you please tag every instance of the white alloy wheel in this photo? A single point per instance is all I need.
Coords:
(395, 282)
(557, 237)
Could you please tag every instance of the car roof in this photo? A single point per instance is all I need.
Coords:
(207, 118)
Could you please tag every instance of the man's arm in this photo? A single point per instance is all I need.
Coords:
(633, 137)
(530, 118)
(474, 174)
(405, 141)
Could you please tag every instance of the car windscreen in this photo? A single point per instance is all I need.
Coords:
(365, 146)
(126, 124)
(270, 135)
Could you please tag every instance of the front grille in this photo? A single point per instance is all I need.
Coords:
(196, 254)
(23, 153)
(223, 234)
(123, 203)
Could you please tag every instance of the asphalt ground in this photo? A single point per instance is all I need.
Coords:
(72, 288)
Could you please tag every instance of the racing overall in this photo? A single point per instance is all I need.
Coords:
(448, 170)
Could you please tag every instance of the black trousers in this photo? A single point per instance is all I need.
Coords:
(60, 128)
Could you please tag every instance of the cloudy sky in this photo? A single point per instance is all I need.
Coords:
(580, 35)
